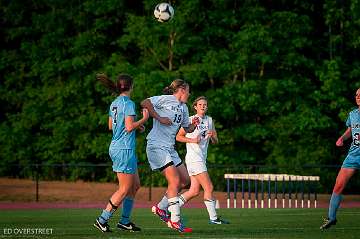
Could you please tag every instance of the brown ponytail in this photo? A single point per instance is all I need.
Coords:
(124, 83)
(175, 86)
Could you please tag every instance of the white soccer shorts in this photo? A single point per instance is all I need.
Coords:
(195, 168)
(159, 157)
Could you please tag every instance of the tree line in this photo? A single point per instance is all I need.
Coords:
(280, 76)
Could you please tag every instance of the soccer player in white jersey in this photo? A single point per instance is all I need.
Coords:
(350, 164)
(197, 144)
(169, 112)
(122, 152)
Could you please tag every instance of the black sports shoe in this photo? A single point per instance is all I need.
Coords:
(128, 227)
(102, 227)
(328, 223)
(219, 221)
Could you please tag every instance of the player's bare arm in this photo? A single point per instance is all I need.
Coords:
(110, 123)
(190, 129)
(345, 136)
(130, 124)
(182, 138)
(149, 106)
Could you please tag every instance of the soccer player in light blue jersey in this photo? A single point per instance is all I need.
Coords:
(350, 164)
(169, 113)
(122, 152)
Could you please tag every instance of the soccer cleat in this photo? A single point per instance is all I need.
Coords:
(328, 223)
(219, 221)
(161, 213)
(128, 227)
(179, 226)
(102, 227)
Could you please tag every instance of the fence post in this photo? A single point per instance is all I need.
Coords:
(37, 181)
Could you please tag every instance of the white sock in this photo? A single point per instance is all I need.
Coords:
(174, 209)
(163, 204)
(210, 206)
(182, 200)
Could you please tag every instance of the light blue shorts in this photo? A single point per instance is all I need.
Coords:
(124, 160)
(351, 161)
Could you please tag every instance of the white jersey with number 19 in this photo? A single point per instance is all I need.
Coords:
(167, 106)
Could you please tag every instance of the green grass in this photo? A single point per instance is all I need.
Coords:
(245, 223)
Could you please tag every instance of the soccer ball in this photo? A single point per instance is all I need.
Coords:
(163, 12)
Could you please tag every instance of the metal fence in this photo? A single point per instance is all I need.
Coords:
(103, 173)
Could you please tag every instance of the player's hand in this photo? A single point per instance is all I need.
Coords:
(340, 142)
(145, 113)
(165, 121)
(141, 128)
(195, 121)
(210, 133)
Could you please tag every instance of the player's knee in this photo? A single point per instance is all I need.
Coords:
(136, 187)
(185, 184)
(209, 188)
(174, 185)
(194, 192)
(338, 188)
(124, 191)
(132, 192)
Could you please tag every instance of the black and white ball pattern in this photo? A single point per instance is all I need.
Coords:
(163, 12)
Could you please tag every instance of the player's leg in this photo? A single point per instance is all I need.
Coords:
(125, 166)
(191, 193)
(163, 203)
(209, 199)
(342, 179)
(184, 175)
(173, 178)
(159, 159)
(193, 168)
(184, 181)
(128, 204)
(125, 184)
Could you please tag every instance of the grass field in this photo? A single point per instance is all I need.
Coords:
(245, 223)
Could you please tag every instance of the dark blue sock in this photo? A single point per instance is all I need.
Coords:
(128, 204)
(334, 205)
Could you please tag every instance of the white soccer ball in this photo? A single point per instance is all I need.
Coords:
(163, 12)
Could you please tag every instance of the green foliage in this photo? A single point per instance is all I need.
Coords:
(280, 76)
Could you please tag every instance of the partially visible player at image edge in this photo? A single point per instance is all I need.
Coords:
(350, 164)
(122, 151)
(197, 144)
